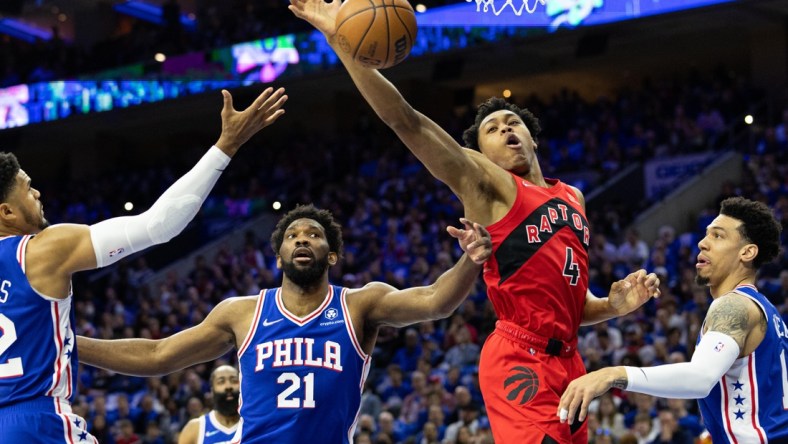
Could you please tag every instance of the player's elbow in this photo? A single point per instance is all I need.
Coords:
(701, 385)
(442, 308)
(706, 385)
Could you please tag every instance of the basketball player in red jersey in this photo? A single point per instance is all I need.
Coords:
(537, 278)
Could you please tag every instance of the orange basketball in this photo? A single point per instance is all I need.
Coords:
(377, 33)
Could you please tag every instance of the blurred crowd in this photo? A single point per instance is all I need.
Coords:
(214, 24)
(423, 386)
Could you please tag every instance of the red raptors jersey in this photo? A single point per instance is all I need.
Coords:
(537, 276)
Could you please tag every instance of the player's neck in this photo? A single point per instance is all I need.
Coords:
(536, 179)
(227, 421)
(535, 176)
(732, 281)
(301, 301)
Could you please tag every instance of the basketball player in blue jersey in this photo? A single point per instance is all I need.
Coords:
(38, 360)
(738, 371)
(303, 348)
(220, 424)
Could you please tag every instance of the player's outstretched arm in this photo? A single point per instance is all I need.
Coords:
(389, 306)
(729, 322)
(70, 248)
(435, 148)
(208, 340)
(626, 296)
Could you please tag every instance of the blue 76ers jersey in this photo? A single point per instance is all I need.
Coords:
(301, 378)
(213, 432)
(37, 353)
(750, 403)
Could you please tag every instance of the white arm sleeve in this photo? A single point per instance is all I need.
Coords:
(713, 356)
(116, 238)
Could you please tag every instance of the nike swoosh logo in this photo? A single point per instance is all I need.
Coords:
(211, 433)
(268, 324)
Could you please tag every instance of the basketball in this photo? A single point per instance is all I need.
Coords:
(377, 33)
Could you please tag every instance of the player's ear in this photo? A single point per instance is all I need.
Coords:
(748, 252)
(332, 258)
(6, 211)
(278, 261)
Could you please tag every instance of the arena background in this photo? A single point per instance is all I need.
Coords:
(648, 116)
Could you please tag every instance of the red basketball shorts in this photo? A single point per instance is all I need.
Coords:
(522, 385)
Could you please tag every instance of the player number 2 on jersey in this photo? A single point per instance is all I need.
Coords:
(289, 399)
(13, 366)
(571, 269)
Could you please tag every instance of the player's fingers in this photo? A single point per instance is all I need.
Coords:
(258, 102)
(480, 230)
(571, 409)
(276, 105)
(272, 118)
(228, 101)
(268, 98)
(467, 223)
(566, 397)
(584, 406)
(455, 232)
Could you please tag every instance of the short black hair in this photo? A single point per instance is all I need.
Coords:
(9, 168)
(491, 105)
(323, 217)
(759, 226)
(213, 373)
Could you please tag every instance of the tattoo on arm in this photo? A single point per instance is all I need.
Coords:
(730, 315)
(620, 383)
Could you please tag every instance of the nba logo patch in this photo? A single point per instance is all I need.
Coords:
(331, 314)
(719, 347)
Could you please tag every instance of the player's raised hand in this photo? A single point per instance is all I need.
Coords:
(318, 13)
(240, 126)
(474, 240)
(628, 294)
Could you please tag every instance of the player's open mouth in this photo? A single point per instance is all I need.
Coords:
(702, 262)
(303, 255)
(513, 142)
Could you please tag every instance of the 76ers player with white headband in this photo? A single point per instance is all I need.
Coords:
(738, 370)
(304, 348)
(37, 354)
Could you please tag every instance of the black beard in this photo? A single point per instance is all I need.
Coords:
(305, 277)
(227, 407)
(702, 281)
(28, 217)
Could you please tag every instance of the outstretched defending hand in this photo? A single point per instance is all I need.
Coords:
(321, 15)
(583, 390)
(474, 240)
(239, 126)
(628, 294)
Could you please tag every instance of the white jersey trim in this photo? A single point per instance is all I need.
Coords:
(201, 430)
(364, 373)
(253, 325)
(351, 331)
(61, 376)
(301, 321)
(218, 425)
(21, 254)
